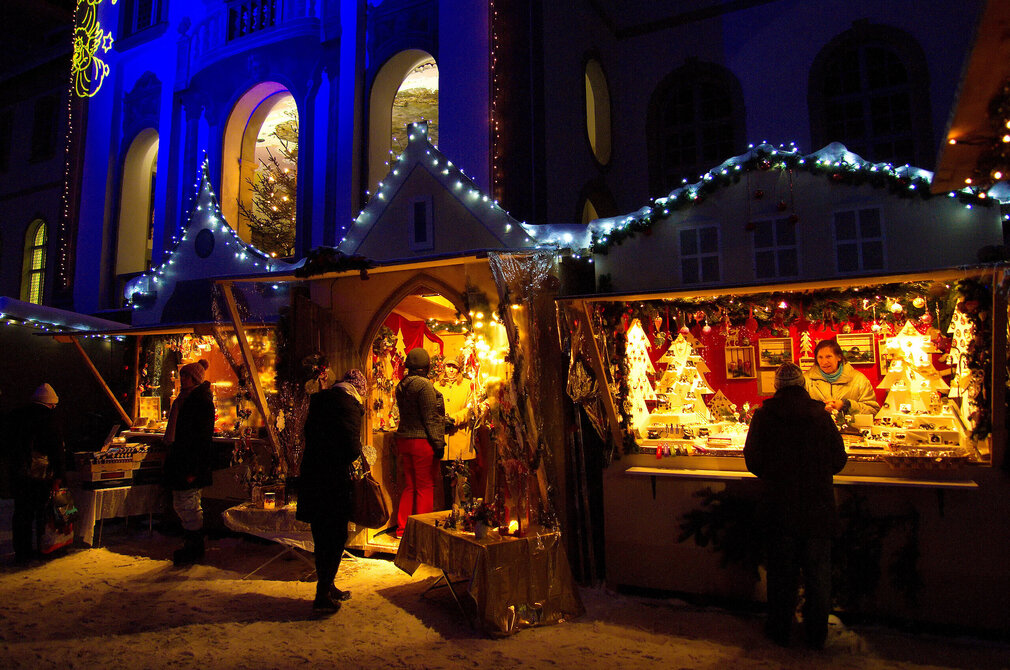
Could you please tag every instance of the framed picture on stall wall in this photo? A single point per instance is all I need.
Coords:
(766, 382)
(740, 363)
(774, 351)
(858, 348)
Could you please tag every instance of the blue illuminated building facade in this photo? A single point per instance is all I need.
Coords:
(563, 112)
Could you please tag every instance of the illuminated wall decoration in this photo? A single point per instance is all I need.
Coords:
(88, 70)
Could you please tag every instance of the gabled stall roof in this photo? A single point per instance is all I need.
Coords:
(379, 228)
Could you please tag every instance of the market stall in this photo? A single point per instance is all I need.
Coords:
(684, 371)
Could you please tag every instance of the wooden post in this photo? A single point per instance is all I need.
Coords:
(596, 360)
(101, 382)
(254, 378)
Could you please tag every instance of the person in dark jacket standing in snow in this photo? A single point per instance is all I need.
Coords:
(420, 437)
(795, 449)
(325, 488)
(189, 465)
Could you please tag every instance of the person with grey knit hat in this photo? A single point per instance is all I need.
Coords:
(420, 437)
(37, 458)
(795, 449)
(189, 463)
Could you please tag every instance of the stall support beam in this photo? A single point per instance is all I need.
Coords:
(596, 360)
(259, 397)
(101, 382)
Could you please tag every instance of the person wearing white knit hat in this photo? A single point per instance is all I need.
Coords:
(38, 461)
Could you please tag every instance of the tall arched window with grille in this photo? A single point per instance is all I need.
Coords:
(33, 273)
(869, 90)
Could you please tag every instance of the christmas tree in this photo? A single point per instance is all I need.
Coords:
(271, 218)
(806, 346)
(683, 381)
(639, 368)
(912, 380)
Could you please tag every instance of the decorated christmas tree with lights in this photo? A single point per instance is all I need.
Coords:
(271, 218)
(912, 381)
(683, 381)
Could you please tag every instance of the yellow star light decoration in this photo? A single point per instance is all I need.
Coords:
(89, 71)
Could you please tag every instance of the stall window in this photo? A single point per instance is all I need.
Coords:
(699, 255)
(775, 249)
(420, 225)
(859, 240)
(33, 271)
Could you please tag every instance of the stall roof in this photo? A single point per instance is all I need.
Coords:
(201, 328)
(378, 267)
(747, 289)
(53, 316)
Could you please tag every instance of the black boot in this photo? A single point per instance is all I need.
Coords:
(192, 549)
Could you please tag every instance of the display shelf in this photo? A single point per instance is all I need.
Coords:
(843, 480)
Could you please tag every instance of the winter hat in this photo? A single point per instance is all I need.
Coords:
(417, 359)
(45, 395)
(196, 371)
(356, 378)
(789, 374)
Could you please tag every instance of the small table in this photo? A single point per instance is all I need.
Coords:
(277, 525)
(119, 501)
(515, 582)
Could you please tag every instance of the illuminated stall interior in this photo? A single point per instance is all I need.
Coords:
(690, 369)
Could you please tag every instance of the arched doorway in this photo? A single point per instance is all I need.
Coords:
(404, 90)
(134, 239)
(259, 181)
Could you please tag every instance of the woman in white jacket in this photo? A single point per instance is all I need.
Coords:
(837, 384)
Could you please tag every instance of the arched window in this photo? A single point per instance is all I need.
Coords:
(135, 239)
(405, 90)
(869, 90)
(33, 272)
(696, 121)
(598, 111)
(260, 197)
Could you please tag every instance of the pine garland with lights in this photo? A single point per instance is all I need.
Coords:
(902, 182)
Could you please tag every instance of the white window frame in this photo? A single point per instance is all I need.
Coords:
(775, 248)
(859, 240)
(700, 255)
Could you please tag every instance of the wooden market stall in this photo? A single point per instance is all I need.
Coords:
(684, 371)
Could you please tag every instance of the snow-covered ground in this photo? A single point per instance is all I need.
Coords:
(125, 606)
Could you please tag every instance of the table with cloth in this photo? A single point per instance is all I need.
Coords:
(96, 505)
(515, 582)
(277, 525)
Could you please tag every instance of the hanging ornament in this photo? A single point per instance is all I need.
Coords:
(918, 302)
(765, 164)
(896, 307)
(699, 316)
(706, 328)
(751, 323)
(875, 327)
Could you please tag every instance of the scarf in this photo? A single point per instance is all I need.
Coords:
(351, 391)
(833, 377)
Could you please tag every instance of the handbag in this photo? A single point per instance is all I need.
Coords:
(62, 507)
(370, 508)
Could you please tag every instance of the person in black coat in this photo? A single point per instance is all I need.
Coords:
(189, 463)
(37, 462)
(795, 449)
(325, 487)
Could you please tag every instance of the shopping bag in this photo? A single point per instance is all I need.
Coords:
(370, 508)
(62, 507)
(55, 537)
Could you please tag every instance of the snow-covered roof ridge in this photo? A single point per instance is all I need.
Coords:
(420, 152)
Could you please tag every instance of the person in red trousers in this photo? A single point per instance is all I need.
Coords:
(420, 437)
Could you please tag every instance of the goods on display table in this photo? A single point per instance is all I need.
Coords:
(691, 390)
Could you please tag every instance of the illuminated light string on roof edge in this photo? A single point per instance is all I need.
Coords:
(207, 209)
(833, 161)
(53, 327)
(457, 182)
